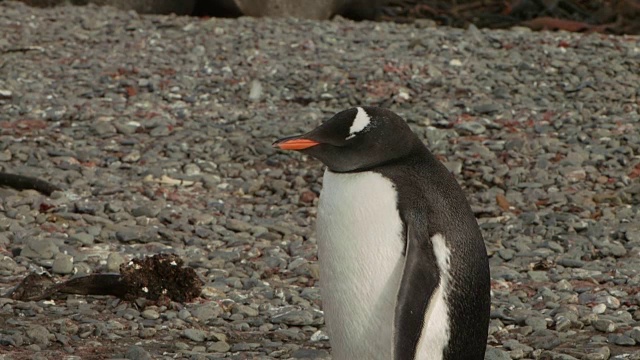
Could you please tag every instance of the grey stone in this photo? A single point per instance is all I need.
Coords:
(147, 333)
(39, 249)
(238, 225)
(545, 342)
(256, 90)
(219, 347)
(160, 131)
(146, 210)
(621, 339)
(564, 285)
(470, 128)
(243, 346)
(134, 155)
(539, 276)
(206, 312)
(512, 344)
(487, 108)
(196, 335)
(8, 264)
(83, 238)
(128, 234)
(87, 206)
(38, 334)
(496, 354)
(5, 94)
(536, 323)
(572, 263)
(556, 356)
(150, 314)
(135, 352)
(600, 353)
(604, 325)
(600, 298)
(184, 314)
(245, 310)
(192, 170)
(5, 155)
(103, 128)
(310, 354)
(454, 167)
(114, 260)
(295, 317)
(62, 264)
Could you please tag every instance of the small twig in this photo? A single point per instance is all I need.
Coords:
(24, 49)
(36, 287)
(582, 85)
(21, 182)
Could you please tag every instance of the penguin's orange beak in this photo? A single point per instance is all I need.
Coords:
(294, 143)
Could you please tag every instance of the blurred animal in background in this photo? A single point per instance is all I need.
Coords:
(306, 9)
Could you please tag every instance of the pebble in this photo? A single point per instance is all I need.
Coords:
(238, 225)
(131, 234)
(135, 352)
(196, 335)
(245, 310)
(83, 238)
(38, 334)
(62, 264)
(496, 354)
(206, 312)
(256, 90)
(604, 325)
(470, 128)
(5, 155)
(310, 354)
(487, 108)
(219, 347)
(621, 339)
(536, 323)
(39, 249)
(146, 210)
(293, 318)
(114, 260)
(150, 314)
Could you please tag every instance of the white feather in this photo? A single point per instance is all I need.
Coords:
(360, 122)
(436, 331)
(360, 248)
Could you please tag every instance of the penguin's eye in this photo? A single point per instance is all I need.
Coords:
(360, 122)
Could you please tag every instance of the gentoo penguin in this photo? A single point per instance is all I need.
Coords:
(403, 267)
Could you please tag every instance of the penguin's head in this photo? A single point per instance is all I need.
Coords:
(355, 139)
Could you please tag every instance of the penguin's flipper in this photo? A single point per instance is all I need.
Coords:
(420, 278)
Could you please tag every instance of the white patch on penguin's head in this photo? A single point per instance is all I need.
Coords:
(360, 122)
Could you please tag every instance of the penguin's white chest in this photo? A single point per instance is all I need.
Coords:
(360, 247)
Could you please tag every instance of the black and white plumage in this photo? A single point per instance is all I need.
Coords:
(404, 270)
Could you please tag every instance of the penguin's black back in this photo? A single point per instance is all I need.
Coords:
(425, 186)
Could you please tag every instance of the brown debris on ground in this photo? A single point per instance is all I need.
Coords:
(159, 277)
(603, 16)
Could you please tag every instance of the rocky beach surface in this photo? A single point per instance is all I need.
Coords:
(158, 130)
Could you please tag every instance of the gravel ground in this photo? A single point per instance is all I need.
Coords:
(159, 130)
